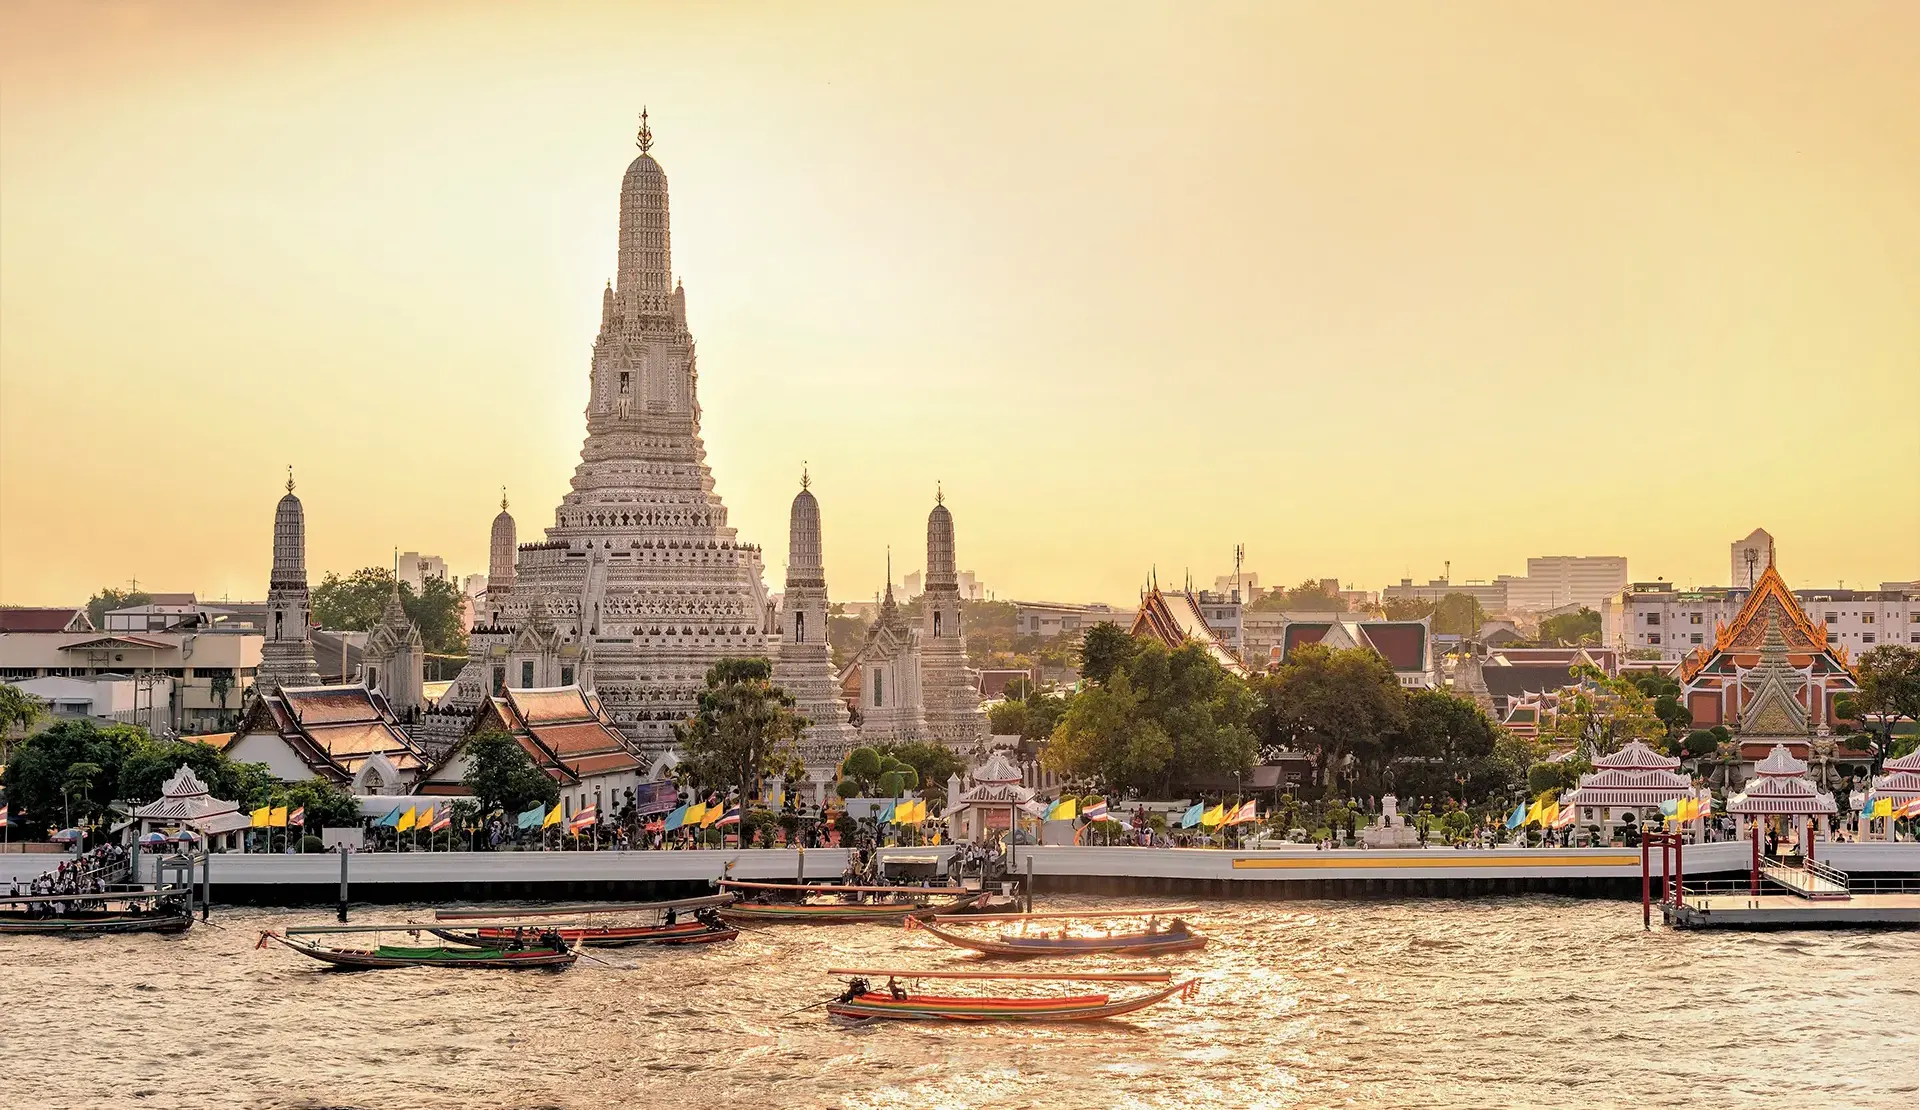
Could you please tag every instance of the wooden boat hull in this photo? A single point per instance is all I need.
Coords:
(86, 925)
(606, 936)
(1090, 1007)
(369, 959)
(1132, 944)
(831, 913)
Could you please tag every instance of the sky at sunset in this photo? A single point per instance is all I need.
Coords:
(1365, 287)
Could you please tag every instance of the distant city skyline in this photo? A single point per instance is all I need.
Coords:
(1136, 290)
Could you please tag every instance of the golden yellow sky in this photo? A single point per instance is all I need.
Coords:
(1363, 286)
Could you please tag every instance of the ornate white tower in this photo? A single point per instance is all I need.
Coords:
(393, 662)
(642, 581)
(286, 659)
(501, 550)
(803, 666)
(953, 709)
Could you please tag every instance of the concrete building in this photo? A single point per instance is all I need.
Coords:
(1051, 620)
(209, 672)
(121, 699)
(414, 569)
(1492, 596)
(1556, 581)
(913, 585)
(1748, 558)
(1655, 616)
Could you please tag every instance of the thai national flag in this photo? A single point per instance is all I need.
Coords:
(1095, 812)
(444, 821)
(298, 817)
(4, 819)
(585, 819)
(730, 817)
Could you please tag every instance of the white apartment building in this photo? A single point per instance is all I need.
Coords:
(1654, 616)
(1049, 620)
(1555, 581)
(415, 569)
(1749, 558)
(1492, 596)
(211, 671)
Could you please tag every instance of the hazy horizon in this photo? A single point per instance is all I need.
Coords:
(1366, 288)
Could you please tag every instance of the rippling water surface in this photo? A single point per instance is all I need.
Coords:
(1519, 1002)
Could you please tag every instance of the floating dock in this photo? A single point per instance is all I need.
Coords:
(1792, 911)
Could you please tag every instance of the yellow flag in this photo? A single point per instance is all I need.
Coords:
(406, 821)
(696, 813)
(910, 813)
(1067, 810)
(552, 818)
(278, 818)
(260, 817)
(1550, 814)
(920, 811)
(1882, 808)
(425, 820)
(1214, 816)
(1533, 813)
(713, 813)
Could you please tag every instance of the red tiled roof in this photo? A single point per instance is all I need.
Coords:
(328, 705)
(1402, 643)
(45, 620)
(539, 707)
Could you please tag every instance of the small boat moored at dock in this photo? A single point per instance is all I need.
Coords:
(836, 904)
(663, 927)
(85, 915)
(549, 949)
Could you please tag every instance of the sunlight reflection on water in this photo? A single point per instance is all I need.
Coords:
(1516, 1002)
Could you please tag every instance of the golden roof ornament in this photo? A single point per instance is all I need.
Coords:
(503, 499)
(289, 477)
(645, 139)
(805, 480)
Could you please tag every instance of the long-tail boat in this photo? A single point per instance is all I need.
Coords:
(549, 950)
(794, 902)
(1151, 940)
(861, 1002)
(702, 928)
(138, 912)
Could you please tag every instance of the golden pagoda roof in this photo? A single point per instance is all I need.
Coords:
(1769, 604)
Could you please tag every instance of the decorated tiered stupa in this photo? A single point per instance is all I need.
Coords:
(803, 663)
(640, 584)
(953, 713)
(286, 658)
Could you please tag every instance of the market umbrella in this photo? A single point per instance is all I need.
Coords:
(67, 834)
(184, 836)
(154, 838)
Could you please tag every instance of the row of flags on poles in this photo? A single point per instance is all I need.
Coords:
(1067, 809)
(277, 817)
(702, 815)
(415, 818)
(1876, 807)
(912, 811)
(1202, 816)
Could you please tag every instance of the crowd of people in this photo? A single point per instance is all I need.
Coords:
(87, 873)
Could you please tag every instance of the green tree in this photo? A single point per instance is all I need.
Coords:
(1889, 677)
(356, 602)
(1104, 649)
(845, 633)
(71, 768)
(932, 764)
(1571, 629)
(19, 712)
(328, 806)
(1406, 609)
(1337, 706)
(876, 773)
(743, 730)
(1446, 748)
(500, 775)
(1164, 717)
(108, 599)
(1599, 714)
(1458, 614)
(1309, 596)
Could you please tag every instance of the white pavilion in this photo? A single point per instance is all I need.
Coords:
(1629, 786)
(1781, 791)
(185, 803)
(989, 805)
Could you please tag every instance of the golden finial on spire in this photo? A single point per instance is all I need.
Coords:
(645, 141)
(939, 495)
(805, 479)
(289, 477)
(503, 499)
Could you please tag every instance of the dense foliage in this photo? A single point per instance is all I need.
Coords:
(743, 729)
(355, 603)
(501, 776)
(1161, 718)
(108, 599)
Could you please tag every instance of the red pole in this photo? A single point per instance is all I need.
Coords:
(1679, 870)
(1646, 886)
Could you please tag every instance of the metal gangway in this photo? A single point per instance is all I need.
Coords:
(1812, 879)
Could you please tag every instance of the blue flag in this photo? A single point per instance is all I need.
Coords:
(675, 819)
(391, 820)
(530, 819)
(1518, 817)
(888, 814)
(1192, 816)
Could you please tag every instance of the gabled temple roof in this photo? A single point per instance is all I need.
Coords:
(1769, 603)
(563, 729)
(1780, 789)
(1403, 644)
(333, 729)
(1175, 619)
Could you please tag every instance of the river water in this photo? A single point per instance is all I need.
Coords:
(1503, 1003)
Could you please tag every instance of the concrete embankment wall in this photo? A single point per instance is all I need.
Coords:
(443, 877)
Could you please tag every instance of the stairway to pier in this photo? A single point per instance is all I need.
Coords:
(1813, 880)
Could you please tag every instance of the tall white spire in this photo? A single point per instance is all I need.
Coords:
(803, 663)
(286, 658)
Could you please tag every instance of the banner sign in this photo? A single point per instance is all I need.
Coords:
(656, 797)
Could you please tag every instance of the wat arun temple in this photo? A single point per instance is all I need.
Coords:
(640, 584)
